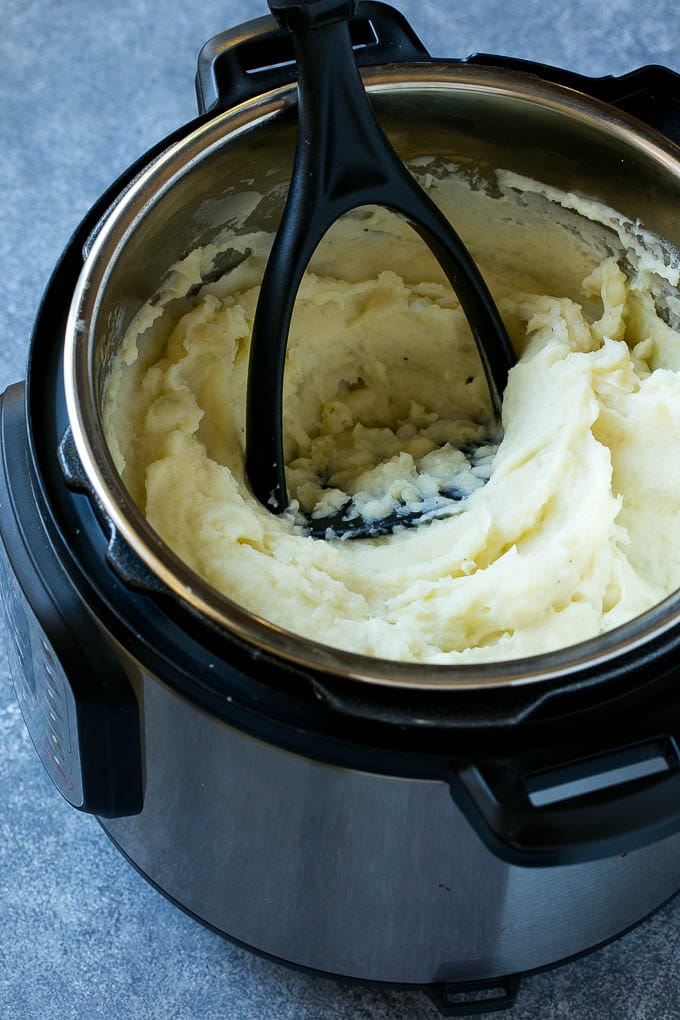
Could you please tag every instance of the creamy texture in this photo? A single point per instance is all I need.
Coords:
(576, 530)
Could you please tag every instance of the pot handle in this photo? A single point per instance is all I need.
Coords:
(541, 813)
(256, 57)
(650, 93)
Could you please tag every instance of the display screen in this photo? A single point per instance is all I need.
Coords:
(42, 688)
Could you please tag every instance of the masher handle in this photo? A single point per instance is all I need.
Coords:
(296, 15)
(343, 160)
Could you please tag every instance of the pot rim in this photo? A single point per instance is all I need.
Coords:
(605, 651)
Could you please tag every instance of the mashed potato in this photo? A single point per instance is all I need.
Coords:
(566, 526)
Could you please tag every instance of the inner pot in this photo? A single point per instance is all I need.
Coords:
(452, 113)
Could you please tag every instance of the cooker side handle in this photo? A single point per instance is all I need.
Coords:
(544, 809)
(76, 701)
(650, 93)
(256, 57)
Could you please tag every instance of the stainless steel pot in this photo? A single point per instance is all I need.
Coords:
(457, 111)
(364, 818)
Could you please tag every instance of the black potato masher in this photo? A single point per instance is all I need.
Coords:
(343, 160)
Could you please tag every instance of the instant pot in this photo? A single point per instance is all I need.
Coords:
(422, 826)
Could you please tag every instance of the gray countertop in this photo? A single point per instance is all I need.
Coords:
(84, 89)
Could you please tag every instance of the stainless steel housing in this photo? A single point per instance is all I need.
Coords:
(355, 873)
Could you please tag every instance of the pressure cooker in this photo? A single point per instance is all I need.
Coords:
(435, 827)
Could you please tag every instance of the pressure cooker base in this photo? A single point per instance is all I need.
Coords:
(357, 874)
(452, 998)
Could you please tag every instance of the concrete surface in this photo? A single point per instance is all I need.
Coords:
(84, 88)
